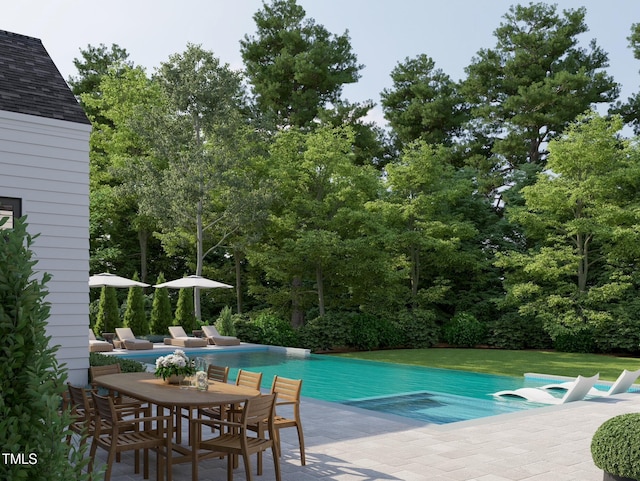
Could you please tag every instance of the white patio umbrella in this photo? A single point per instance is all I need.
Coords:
(194, 281)
(112, 280)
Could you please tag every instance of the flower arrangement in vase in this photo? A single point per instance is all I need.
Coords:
(176, 366)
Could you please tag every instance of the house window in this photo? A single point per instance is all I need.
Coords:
(10, 209)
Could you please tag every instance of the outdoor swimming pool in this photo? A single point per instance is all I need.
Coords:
(427, 395)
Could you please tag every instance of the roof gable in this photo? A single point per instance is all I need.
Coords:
(30, 83)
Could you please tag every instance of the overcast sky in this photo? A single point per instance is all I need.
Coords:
(382, 32)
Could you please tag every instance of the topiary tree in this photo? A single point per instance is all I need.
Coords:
(615, 447)
(32, 423)
(108, 313)
(224, 323)
(134, 315)
(161, 315)
(185, 313)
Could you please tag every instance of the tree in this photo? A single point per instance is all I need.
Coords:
(108, 313)
(319, 207)
(161, 313)
(294, 65)
(531, 86)
(135, 316)
(31, 380)
(96, 62)
(630, 110)
(424, 103)
(193, 136)
(185, 315)
(580, 218)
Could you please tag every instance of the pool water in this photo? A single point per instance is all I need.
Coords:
(427, 395)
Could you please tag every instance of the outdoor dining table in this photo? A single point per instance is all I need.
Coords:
(146, 387)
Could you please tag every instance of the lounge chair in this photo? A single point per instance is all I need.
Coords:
(98, 346)
(576, 392)
(214, 337)
(129, 341)
(621, 385)
(179, 338)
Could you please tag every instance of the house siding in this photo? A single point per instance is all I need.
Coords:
(45, 162)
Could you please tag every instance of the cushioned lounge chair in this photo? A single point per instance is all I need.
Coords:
(179, 338)
(621, 385)
(214, 337)
(98, 346)
(576, 392)
(129, 341)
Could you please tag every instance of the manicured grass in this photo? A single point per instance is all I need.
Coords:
(509, 363)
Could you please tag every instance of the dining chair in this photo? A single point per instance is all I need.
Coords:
(218, 373)
(113, 433)
(244, 378)
(119, 399)
(288, 391)
(235, 439)
(81, 413)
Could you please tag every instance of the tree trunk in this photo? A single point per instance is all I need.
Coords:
(297, 316)
(199, 260)
(143, 240)
(320, 284)
(237, 256)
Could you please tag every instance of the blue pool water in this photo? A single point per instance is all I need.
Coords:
(423, 394)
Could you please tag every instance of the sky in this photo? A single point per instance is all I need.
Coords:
(382, 32)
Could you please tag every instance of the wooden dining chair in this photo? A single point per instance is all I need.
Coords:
(113, 433)
(234, 439)
(244, 378)
(288, 391)
(218, 373)
(81, 413)
(119, 399)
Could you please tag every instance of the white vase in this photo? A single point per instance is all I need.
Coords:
(174, 379)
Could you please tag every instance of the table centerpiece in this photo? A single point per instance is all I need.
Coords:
(172, 368)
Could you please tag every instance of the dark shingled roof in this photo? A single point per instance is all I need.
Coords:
(30, 82)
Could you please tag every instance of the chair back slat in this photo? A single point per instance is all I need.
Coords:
(259, 409)
(104, 410)
(287, 389)
(218, 373)
(249, 379)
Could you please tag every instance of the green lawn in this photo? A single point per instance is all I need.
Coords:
(510, 363)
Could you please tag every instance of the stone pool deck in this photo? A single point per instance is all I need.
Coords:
(349, 444)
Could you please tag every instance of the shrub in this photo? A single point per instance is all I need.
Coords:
(185, 312)
(464, 330)
(580, 341)
(108, 313)
(32, 382)
(326, 332)
(371, 332)
(513, 331)
(126, 365)
(161, 317)
(276, 331)
(224, 324)
(246, 330)
(135, 316)
(615, 446)
(418, 328)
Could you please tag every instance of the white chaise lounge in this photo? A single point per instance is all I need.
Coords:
(576, 392)
(621, 385)
(129, 341)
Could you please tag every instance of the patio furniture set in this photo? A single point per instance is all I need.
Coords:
(139, 412)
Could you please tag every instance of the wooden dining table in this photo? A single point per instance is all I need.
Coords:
(146, 387)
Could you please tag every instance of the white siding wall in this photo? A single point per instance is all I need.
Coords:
(45, 162)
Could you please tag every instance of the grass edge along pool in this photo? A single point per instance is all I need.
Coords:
(423, 394)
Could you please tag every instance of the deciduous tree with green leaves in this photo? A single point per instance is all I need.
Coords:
(580, 220)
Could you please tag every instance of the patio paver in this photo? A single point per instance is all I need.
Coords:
(349, 444)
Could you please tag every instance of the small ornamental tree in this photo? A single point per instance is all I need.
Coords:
(134, 315)
(108, 312)
(161, 315)
(224, 323)
(31, 379)
(185, 313)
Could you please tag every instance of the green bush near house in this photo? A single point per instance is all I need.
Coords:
(32, 383)
(126, 365)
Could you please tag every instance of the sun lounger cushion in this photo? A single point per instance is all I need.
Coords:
(214, 337)
(98, 346)
(129, 340)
